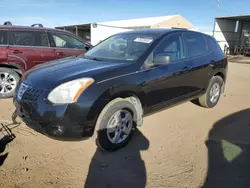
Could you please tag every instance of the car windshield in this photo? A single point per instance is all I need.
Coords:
(125, 47)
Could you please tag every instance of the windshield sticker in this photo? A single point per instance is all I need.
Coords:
(143, 40)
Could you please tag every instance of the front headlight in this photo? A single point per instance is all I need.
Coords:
(69, 92)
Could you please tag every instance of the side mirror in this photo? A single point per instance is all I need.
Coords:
(86, 48)
(161, 59)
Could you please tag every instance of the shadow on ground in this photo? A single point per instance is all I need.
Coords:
(229, 152)
(123, 168)
(6, 136)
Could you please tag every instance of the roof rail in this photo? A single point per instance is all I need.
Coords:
(38, 25)
(179, 28)
(7, 23)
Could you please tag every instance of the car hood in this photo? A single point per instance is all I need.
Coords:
(51, 74)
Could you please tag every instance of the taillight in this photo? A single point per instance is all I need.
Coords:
(226, 55)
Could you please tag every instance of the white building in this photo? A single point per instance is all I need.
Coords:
(96, 32)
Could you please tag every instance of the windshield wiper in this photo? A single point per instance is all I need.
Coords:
(92, 58)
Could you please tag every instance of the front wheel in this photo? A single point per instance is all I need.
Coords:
(8, 82)
(212, 95)
(115, 125)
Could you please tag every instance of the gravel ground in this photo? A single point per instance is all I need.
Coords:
(185, 146)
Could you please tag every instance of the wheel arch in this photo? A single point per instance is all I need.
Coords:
(109, 95)
(17, 68)
(221, 74)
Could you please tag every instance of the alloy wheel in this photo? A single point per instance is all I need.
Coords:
(119, 126)
(214, 92)
(7, 83)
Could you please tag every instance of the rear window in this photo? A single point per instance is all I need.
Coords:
(3, 37)
(196, 44)
(212, 44)
(30, 38)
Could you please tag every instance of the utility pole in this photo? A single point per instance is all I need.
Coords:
(218, 6)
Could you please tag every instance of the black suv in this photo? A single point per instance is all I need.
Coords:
(114, 85)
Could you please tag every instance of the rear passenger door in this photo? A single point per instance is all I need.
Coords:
(31, 47)
(48, 53)
(197, 55)
(67, 45)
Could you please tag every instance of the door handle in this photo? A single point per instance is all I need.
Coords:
(185, 69)
(60, 54)
(17, 52)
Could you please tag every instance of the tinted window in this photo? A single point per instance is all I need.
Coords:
(3, 37)
(195, 45)
(212, 44)
(67, 41)
(171, 46)
(42, 39)
(30, 38)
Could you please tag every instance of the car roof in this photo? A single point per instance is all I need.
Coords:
(148, 31)
(159, 31)
(31, 28)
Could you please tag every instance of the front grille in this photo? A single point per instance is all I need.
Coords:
(32, 94)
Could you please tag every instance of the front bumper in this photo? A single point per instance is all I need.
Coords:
(64, 122)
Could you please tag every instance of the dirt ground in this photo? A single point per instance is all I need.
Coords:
(186, 146)
(239, 59)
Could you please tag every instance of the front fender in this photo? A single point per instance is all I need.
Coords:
(130, 92)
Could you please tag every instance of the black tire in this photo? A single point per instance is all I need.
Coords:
(102, 140)
(204, 100)
(15, 76)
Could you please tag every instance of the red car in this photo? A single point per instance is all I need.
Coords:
(22, 48)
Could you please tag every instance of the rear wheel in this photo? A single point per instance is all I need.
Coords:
(8, 82)
(212, 95)
(115, 125)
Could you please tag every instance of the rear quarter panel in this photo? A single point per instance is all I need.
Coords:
(220, 64)
(3, 53)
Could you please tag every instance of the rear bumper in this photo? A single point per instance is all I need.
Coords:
(57, 122)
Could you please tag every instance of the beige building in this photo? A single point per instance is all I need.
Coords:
(96, 32)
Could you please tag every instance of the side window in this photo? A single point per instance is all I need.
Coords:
(42, 39)
(196, 45)
(30, 38)
(212, 44)
(67, 41)
(3, 37)
(60, 43)
(171, 46)
(24, 38)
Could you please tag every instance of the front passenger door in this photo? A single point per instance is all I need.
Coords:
(168, 83)
(67, 45)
